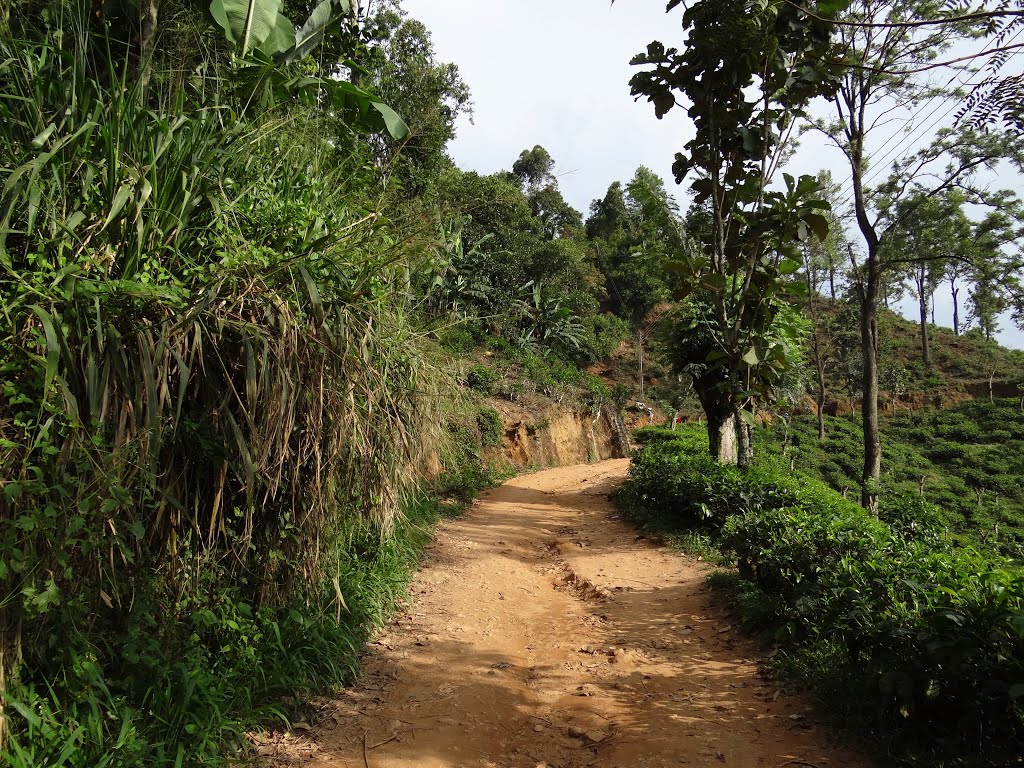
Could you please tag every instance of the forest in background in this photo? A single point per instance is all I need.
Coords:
(250, 308)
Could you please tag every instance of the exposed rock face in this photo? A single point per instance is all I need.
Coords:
(558, 436)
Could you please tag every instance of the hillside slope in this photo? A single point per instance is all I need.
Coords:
(965, 462)
(962, 366)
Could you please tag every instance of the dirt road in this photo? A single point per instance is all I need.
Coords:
(543, 633)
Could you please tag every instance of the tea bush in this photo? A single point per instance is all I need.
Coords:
(925, 637)
(675, 475)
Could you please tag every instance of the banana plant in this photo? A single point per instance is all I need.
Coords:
(255, 25)
(262, 33)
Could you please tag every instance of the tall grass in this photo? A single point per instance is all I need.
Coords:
(210, 380)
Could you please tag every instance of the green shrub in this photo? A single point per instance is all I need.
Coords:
(675, 474)
(459, 340)
(912, 517)
(490, 425)
(602, 335)
(946, 457)
(481, 378)
(926, 639)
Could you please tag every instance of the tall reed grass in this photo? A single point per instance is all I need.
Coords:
(210, 379)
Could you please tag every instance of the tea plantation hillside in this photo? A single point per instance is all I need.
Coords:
(909, 627)
(965, 463)
(965, 365)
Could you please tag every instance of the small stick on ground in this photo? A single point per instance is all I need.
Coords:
(382, 743)
(366, 760)
(799, 762)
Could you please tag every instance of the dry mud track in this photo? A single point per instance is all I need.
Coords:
(543, 632)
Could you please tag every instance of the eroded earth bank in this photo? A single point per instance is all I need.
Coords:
(543, 632)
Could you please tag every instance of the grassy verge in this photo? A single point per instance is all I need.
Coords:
(915, 642)
(188, 697)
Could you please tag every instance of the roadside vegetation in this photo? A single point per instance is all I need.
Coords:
(251, 318)
(964, 464)
(877, 536)
(911, 636)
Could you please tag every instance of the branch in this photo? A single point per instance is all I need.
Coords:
(926, 68)
(974, 16)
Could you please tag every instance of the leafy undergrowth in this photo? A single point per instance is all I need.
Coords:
(188, 695)
(182, 673)
(517, 372)
(913, 640)
(968, 462)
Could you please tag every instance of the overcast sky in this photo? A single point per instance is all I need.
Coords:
(556, 73)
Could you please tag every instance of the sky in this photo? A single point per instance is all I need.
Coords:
(557, 73)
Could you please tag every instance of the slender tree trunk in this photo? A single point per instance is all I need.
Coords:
(872, 282)
(821, 401)
(869, 406)
(147, 40)
(922, 300)
(832, 282)
(640, 359)
(956, 308)
(819, 364)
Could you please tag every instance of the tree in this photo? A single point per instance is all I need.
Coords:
(825, 257)
(535, 168)
(995, 270)
(822, 257)
(652, 210)
(930, 233)
(634, 230)
(521, 241)
(886, 42)
(747, 71)
(995, 98)
(403, 69)
(534, 171)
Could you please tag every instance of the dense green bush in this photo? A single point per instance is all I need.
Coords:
(675, 474)
(490, 425)
(602, 336)
(481, 378)
(926, 637)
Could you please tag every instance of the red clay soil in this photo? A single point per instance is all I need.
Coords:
(543, 632)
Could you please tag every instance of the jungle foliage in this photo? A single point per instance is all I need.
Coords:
(214, 403)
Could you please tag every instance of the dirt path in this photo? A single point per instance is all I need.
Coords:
(543, 633)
